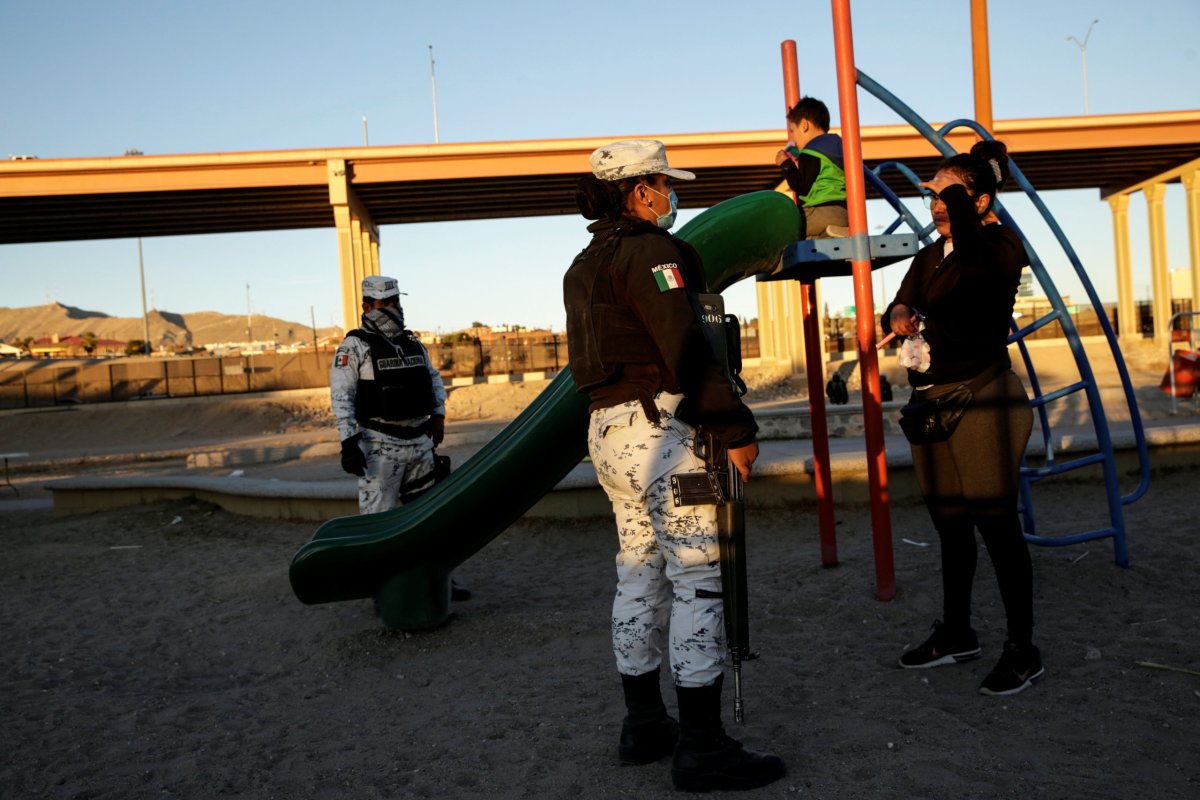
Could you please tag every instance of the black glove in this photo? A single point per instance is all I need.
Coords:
(353, 460)
(437, 429)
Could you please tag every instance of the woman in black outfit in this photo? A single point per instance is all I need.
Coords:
(962, 288)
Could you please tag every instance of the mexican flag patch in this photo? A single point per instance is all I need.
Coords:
(341, 360)
(668, 276)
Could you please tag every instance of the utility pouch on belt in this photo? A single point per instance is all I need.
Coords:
(927, 420)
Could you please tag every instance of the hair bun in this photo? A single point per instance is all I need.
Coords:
(990, 148)
(591, 197)
(994, 154)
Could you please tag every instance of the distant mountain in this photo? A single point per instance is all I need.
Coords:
(167, 329)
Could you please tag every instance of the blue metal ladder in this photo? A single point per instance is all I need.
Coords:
(825, 258)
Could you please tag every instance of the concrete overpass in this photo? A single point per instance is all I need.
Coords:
(355, 190)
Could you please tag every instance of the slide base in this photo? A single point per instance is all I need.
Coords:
(415, 599)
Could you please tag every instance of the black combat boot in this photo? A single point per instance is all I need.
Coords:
(705, 757)
(648, 733)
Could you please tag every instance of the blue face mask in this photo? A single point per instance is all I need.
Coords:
(665, 221)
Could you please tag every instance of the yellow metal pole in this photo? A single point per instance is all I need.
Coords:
(981, 62)
(1127, 320)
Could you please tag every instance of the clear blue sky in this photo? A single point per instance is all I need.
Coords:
(86, 78)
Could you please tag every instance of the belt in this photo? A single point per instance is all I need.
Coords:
(399, 431)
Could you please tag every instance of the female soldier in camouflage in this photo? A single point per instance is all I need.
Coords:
(637, 347)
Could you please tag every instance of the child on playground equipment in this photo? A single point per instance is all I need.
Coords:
(812, 166)
(964, 285)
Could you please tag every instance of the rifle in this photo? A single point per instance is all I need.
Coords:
(721, 484)
(731, 540)
(731, 537)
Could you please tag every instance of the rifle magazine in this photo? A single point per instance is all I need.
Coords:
(698, 489)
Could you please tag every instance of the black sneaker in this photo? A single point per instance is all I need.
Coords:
(1019, 667)
(722, 763)
(944, 647)
(647, 742)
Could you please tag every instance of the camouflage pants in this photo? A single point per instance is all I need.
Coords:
(666, 553)
(397, 470)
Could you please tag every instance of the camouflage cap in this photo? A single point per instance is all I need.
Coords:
(633, 157)
(380, 287)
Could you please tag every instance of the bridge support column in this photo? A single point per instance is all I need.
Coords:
(766, 332)
(784, 320)
(781, 329)
(1128, 327)
(1160, 283)
(772, 326)
(357, 240)
(1191, 185)
(780, 320)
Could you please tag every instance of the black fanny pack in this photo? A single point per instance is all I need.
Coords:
(927, 420)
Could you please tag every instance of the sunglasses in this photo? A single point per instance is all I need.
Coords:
(929, 197)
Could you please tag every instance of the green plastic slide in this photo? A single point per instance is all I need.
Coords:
(403, 558)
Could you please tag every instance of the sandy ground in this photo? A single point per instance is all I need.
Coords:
(159, 652)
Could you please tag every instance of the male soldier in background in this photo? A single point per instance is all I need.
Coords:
(389, 403)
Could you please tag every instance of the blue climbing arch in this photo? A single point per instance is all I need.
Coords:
(1049, 465)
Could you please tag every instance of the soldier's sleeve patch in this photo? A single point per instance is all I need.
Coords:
(341, 360)
(668, 276)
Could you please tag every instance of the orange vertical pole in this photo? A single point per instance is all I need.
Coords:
(814, 365)
(860, 251)
(791, 75)
(981, 60)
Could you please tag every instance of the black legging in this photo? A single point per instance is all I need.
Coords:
(971, 481)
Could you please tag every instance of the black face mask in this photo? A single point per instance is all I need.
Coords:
(387, 321)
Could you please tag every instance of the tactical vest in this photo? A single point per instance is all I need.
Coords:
(602, 335)
(403, 387)
(830, 184)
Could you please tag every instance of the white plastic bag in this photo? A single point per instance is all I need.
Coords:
(914, 353)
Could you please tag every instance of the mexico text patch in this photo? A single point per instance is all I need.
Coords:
(668, 276)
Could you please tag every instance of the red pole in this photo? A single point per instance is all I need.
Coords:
(814, 365)
(791, 75)
(860, 249)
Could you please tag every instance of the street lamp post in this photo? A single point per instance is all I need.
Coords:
(249, 328)
(433, 81)
(145, 315)
(1083, 57)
